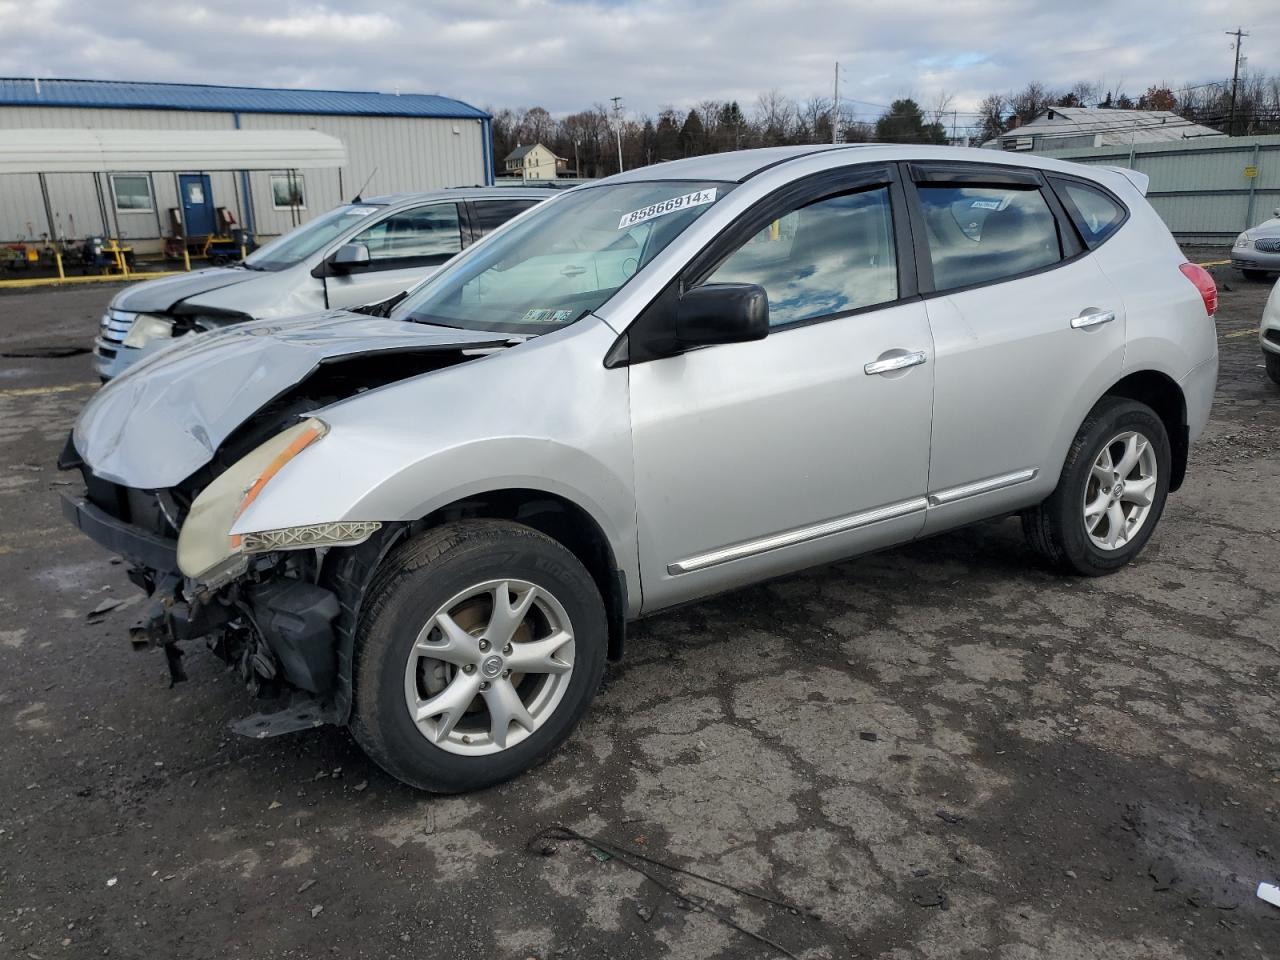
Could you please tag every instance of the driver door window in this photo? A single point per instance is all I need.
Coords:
(825, 259)
(422, 236)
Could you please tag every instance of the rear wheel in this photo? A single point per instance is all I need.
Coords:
(1111, 492)
(482, 646)
(1273, 366)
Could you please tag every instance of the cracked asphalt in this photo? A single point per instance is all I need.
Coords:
(935, 751)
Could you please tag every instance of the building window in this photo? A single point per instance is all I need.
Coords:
(288, 192)
(132, 192)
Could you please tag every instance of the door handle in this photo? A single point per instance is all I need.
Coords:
(1092, 318)
(876, 367)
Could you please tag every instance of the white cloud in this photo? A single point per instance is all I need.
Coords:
(565, 55)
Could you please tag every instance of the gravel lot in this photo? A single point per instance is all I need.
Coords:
(937, 751)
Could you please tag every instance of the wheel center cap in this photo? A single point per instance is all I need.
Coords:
(490, 667)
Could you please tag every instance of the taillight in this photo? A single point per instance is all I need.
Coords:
(1203, 280)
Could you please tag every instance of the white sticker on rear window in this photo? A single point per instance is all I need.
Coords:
(663, 207)
(362, 211)
(985, 205)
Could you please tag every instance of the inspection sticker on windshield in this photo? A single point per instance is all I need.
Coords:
(663, 207)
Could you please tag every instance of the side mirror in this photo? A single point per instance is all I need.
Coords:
(351, 255)
(722, 313)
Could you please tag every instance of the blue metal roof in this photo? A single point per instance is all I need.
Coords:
(21, 92)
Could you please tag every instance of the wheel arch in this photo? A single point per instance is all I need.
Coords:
(1162, 394)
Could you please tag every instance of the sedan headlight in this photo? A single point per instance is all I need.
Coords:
(206, 548)
(1243, 242)
(148, 327)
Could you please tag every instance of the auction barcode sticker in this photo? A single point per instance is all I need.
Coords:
(663, 207)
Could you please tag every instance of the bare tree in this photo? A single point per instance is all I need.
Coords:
(775, 115)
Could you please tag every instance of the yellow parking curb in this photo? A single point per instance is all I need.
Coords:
(38, 391)
(107, 278)
(1213, 263)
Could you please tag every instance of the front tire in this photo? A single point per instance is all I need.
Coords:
(482, 645)
(1111, 492)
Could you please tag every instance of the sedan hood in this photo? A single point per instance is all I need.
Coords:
(157, 296)
(166, 417)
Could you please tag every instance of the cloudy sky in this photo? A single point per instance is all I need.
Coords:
(566, 54)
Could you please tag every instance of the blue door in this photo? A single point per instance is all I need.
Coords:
(197, 204)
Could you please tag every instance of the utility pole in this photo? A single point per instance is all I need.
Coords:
(835, 107)
(1235, 79)
(617, 126)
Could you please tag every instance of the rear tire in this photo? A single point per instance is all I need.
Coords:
(1105, 508)
(1273, 367)
(463, 676)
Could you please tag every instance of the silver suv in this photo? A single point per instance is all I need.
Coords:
(359, 253)
(434, 526)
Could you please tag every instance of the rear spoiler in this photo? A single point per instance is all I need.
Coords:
(1139, 180)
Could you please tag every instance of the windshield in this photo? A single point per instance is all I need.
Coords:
(562, 260)
(297, 245)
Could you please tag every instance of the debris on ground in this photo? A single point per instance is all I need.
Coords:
(1269, 892)
(306, 885)
(640, 863)
(104, 607)
(317, 910)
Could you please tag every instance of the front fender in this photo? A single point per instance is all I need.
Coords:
(546, 415)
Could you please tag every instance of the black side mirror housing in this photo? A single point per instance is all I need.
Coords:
(722, 313)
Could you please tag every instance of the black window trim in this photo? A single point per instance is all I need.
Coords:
(975, 174)
(473, 213)
(837, 181)
(1058, 181)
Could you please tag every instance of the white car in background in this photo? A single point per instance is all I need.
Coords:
(359, 253)
(1256, 252)
(1269, 335)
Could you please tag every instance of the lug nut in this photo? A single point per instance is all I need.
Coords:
(484, 684)
(469, 668)
(506, 674)
(484, 645)
(506, 651)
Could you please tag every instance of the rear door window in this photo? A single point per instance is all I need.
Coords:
(980, 234)
(1096, 215)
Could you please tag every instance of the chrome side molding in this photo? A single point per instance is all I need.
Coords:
(964, 491)
(792, 537)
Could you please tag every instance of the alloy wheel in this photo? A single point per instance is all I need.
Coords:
(1120, 490)
(489, 667)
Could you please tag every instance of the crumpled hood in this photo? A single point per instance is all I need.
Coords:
(165, 418)
(157, 296)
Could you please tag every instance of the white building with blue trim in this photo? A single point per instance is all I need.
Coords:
(394, 143)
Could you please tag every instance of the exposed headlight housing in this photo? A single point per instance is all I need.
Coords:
(340, 533)
(147, 327)
(1243, 242)
(206, 548)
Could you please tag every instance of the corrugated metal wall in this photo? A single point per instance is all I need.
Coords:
(408, 154)
(1201, 190)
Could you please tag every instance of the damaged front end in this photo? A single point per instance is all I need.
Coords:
(257, 600)
(174, 454)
